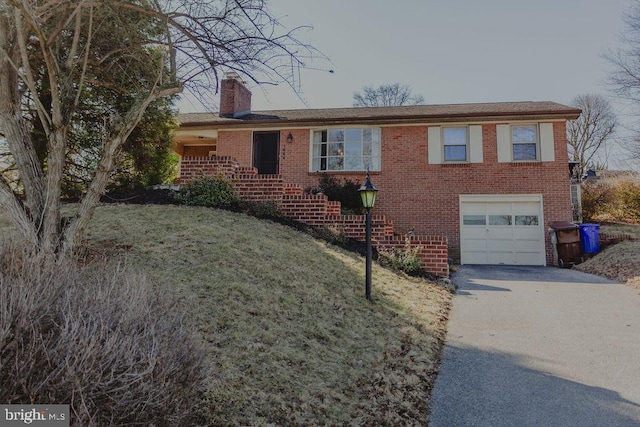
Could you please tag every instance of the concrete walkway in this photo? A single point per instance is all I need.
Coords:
(539, 346)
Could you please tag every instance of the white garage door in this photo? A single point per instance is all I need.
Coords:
(497, 229)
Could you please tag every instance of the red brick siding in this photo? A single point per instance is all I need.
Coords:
(424, 197)
(234, 97)
(294, 157)
(237, 144)
(197, 150)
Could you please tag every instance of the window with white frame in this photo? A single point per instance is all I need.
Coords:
(524, 142)
(345, 149)
(456, 142)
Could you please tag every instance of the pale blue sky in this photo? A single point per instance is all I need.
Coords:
(457, 50)
(449, 51)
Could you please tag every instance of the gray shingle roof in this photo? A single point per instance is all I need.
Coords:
(388, 115)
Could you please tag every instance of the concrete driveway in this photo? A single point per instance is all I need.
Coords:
(539, 346)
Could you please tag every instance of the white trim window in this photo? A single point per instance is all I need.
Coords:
(455, 141)
(345, 149)
(524, 142)
(454, 144)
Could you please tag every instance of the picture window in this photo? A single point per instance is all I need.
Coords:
(346, 149)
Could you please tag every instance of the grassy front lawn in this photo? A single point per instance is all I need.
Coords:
(289, 335)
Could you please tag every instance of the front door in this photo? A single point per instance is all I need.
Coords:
(265, 152)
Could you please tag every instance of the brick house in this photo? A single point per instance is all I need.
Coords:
(487, 177)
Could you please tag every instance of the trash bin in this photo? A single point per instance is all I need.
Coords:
(590, 238)
(567, 239)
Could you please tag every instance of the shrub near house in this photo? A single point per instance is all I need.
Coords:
(612, 199)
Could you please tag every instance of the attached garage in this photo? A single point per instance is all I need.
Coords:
(502, 229)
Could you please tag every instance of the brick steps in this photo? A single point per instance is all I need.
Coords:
(293, 189)
(259, 188)
(314, 209)
(310, 209)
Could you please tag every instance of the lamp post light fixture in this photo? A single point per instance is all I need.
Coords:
(368, 195)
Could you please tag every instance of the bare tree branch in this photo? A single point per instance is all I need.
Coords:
(588, 135)
(386, 95)
(624, 79)
(131, 53)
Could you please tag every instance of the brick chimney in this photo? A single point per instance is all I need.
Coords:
(235, 98)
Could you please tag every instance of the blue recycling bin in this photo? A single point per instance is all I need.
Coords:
(590, 238)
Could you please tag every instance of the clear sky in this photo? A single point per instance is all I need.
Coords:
(449, 51)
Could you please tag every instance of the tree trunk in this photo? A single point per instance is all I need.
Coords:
(16, 131)
(50, 235)
(75, 229)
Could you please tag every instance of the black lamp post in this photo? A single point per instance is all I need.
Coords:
(368, 194)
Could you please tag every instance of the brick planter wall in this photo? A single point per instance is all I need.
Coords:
(354, 226)
(196, 167)
(314, 210)
(608, 239)
(433, 251)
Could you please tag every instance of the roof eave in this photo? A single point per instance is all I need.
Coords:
(391, 119)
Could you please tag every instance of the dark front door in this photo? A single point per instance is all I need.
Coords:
(265, 152)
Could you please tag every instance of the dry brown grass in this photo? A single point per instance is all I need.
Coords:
(97, 338)
(290, 337)
(632, 230)
(620, 262)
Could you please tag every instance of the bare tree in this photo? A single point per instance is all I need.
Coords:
(386, 95)
(588, 134)
(54, 52)
(624, 80)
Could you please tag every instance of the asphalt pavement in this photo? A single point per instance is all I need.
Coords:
(539, 346)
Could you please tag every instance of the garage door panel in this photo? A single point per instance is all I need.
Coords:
(533, 258)
(500, 233)
(526, 233)
(513, 231)
(474, 233)
(501, 258)
(475, 209)
(528, 246)
(497, 208)
(475, 257)
(526, 208)
(500, 245)
(476, 245)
